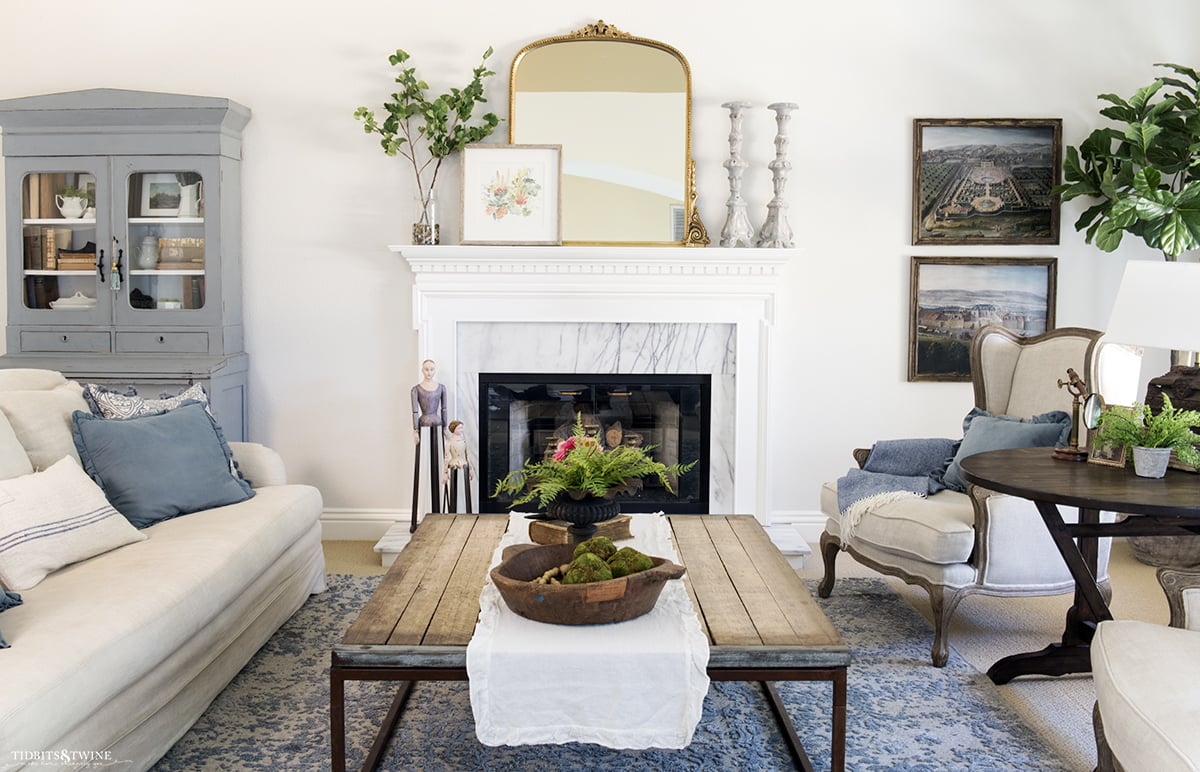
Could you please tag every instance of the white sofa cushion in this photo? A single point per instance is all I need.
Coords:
(54, 518)
(89, 630)
(1145, 677)
(42, 421)
(14, 461)
(937, 529)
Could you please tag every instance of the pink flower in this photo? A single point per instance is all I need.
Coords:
(564, 447)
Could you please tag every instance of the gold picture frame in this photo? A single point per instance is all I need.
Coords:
(1107, 455)
(986, 180)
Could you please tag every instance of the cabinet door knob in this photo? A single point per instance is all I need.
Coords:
(162, 339)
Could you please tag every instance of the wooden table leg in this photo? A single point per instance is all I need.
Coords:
(1073, 653)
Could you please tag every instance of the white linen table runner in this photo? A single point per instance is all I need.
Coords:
(634, 684)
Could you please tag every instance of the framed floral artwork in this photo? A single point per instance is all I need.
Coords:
(986, 181)
(511, 194)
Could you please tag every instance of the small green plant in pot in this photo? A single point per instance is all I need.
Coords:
(425, 130)
(1139, 428)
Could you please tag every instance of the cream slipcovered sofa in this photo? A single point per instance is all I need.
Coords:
(112, 658)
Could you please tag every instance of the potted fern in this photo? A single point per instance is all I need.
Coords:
(425, 130)
(1152, 437)
(579, 483)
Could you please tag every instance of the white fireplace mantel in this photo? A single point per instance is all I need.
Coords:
(454, 285)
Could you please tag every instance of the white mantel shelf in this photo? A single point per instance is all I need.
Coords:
(531, 291)
(643, 261)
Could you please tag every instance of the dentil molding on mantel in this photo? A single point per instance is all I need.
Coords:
(646, 261)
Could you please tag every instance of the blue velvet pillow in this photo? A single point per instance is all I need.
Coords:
(7, 601)
(983, 431)
(155, 467)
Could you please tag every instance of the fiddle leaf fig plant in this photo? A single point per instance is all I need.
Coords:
(426, 129)
(1145, 170)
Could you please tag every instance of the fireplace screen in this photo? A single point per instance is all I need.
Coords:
(523, 416)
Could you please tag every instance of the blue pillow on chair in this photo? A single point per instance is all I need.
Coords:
(158, 466)
(983, 431)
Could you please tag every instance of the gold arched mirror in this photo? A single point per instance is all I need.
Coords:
(621, 107)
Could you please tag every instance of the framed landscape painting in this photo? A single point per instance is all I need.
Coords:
(511, 194)
(952, 297)
(986, 181)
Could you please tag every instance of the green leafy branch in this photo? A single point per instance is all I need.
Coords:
(441, 124)
(1145, 174)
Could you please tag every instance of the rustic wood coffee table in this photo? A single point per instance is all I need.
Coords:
(762, 623)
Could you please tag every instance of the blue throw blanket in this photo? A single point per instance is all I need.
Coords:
(895, 468)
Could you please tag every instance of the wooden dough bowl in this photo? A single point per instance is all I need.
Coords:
(593, 603)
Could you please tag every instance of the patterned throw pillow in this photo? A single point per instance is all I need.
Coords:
(109, 403)
(53, 518)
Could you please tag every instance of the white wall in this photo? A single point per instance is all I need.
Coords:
(328, 307)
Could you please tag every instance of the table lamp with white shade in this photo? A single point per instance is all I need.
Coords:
(1156, 307)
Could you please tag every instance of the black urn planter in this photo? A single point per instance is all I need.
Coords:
(582, 514)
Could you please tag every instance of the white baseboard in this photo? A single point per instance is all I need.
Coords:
(358, 524)
(810, 524)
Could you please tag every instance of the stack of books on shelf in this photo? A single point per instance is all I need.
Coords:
(41, 247)
(180, 254)
(77, 261)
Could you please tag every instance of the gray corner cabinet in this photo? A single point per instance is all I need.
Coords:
(123, 243)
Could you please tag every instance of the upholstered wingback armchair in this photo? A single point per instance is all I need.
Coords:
(1146, 677)
(954, 544)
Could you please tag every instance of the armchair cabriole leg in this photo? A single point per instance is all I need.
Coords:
(830, 547)
(943, 608)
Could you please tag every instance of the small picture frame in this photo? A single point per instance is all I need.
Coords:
(986, 180)
(1107, 455)
(161, 195)
(512, 194)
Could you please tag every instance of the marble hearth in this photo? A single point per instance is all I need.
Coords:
(611, 310)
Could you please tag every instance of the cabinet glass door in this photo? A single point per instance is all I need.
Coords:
(63, 206)
(168, 229)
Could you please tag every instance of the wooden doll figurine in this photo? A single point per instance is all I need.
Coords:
(429, 412)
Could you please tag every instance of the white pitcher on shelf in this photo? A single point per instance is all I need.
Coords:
(190, 198)
(71, 207)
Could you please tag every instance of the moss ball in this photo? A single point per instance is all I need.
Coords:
(587, 568)
(600, 546)
(627, 561)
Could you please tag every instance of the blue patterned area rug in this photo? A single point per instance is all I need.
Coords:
(903, 713)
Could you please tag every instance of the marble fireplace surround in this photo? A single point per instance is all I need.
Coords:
(608, 310)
